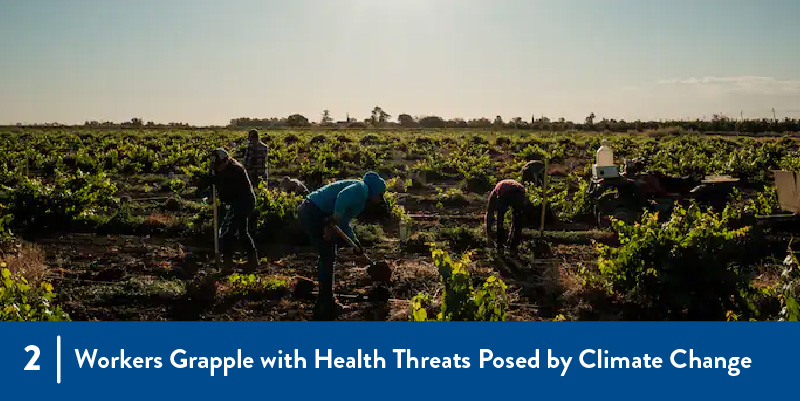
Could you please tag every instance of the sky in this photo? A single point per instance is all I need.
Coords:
(204, 62)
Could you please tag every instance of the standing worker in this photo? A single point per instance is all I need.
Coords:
(506, 194)
(255, 159)
(322, 211)
(237, 196)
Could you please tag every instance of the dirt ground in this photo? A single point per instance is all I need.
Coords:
(158, 277)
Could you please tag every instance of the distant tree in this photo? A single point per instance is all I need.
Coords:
(326, 117)
(296, 120)
(405, 120)
(456, 122)
(590, 119)
(379, 116)
(498, 120)
(517, 121)
(431, 122)
(724, 118)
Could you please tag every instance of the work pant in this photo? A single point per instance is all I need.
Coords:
(254, 181)
(314, 220)
(256, 177)
(236, 220)
(516, 203)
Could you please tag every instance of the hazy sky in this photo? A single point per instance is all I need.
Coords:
(205, 62)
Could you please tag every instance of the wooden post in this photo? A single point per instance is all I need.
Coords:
(27, 160)
(216, 226)
(266, 161)
(544, 198)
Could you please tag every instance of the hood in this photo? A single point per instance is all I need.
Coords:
(375, 184)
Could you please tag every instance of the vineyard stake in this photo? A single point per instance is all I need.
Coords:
(266, 179)
(544, 198)
(216, 226)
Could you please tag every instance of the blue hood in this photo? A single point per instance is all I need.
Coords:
(375, 184)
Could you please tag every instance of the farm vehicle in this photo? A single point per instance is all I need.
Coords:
(625, 194)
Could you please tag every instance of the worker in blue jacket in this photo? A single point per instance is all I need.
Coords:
(330, 206)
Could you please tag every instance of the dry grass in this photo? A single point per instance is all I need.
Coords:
(27, 261)
(399, 310)
(767, 276)
(159, 220)
(408, 270)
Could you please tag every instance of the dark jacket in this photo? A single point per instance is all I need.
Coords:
(233, 185)
(507, 193)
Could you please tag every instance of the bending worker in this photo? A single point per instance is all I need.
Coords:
(293, 185)
(321, 213)
(236, 195)
(533, 171)
(507, 194)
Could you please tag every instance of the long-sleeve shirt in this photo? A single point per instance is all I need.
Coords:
(255, 159)
(343, 200)
(507, 193)
(233, 185)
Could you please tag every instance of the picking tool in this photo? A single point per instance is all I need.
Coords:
(544, 198)
(217, 261)
(379, 271)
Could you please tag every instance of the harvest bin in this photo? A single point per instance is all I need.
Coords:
(788, 188)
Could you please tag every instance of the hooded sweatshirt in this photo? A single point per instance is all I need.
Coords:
(346, 199)
(233, 185)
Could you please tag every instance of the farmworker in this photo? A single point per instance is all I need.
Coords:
(533, 171)
(293, 185)
(255, 159)
(236, 194)
(321, 212)
(507, 194)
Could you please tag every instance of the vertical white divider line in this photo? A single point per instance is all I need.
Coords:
(58, 359)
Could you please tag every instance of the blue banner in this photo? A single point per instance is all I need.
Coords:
(397, 360)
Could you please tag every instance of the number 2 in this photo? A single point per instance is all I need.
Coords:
(32, 363)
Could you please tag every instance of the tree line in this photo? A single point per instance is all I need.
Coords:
(379, 118)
